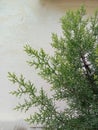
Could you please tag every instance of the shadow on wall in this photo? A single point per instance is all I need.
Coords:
(59, 5)
(64, 5)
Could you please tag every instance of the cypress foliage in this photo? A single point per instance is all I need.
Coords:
(72, 73)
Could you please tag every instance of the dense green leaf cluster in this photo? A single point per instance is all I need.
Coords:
(72, 73)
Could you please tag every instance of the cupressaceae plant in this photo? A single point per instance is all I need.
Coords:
(72, 73)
